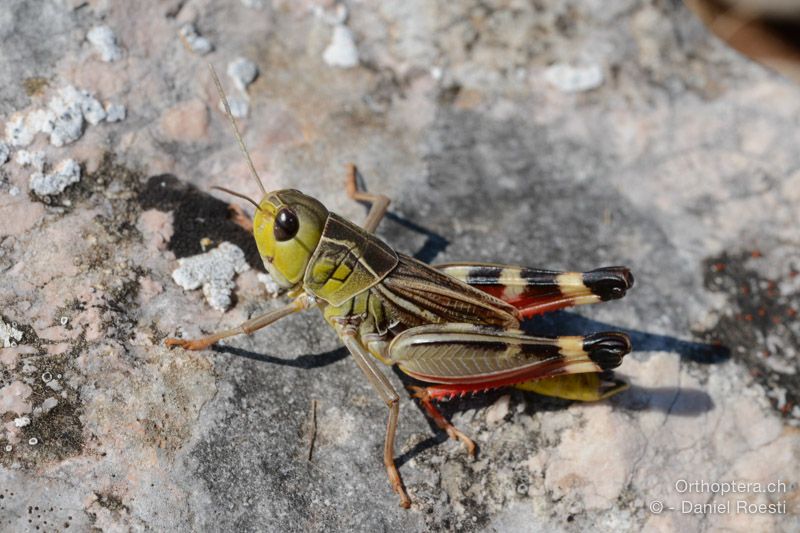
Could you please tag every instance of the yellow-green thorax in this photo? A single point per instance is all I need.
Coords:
(347, 262)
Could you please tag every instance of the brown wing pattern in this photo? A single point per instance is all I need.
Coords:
(415, 294)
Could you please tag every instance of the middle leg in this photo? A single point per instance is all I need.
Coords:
(387, 393)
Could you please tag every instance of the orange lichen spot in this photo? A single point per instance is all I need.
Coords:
(745, 289)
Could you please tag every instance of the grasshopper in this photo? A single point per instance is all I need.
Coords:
(454, 327)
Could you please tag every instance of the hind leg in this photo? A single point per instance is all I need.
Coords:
(426, 400)
(587, 387)
(535, 291)
(379, 202)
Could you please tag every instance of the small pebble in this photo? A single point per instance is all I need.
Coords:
(194, 41)
(342, 51)
(4, 152)
(571, 79)
(104, 40)
(49, 404)
(243, 72)
(22, 421)
(240, 107)
(115, 112)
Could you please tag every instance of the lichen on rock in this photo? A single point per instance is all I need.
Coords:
(214, 271)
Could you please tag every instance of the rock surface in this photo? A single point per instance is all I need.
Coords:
(680, 160)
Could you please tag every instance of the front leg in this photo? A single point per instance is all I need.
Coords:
(387, 393)
(246, 328)
(379, 202)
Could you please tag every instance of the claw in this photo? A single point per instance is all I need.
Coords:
(456, 434)
(187, 344)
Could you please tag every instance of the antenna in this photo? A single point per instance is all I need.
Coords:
(236, 129)
(238, 195)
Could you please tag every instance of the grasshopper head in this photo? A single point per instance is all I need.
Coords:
(287, 227)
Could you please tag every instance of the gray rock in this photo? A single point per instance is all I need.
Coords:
(681, 164)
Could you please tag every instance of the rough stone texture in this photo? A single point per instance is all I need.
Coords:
(681, 164)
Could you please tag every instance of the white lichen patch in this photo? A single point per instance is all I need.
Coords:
(4, 152)
(194, 41)
(573, 79)
(65, 174)
(105, 42)
(63, 119)
(9, 335)
(214, 271)
(243, 72)
(273, 289)
(19, 130)
(66, 123)
(25, 158)
(342, 51)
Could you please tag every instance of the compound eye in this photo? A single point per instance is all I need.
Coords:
(286, 225)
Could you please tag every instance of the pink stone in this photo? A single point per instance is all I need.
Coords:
(9, 356)
(186, 121)
(13, 398)
(156, 226)
(148, 289)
